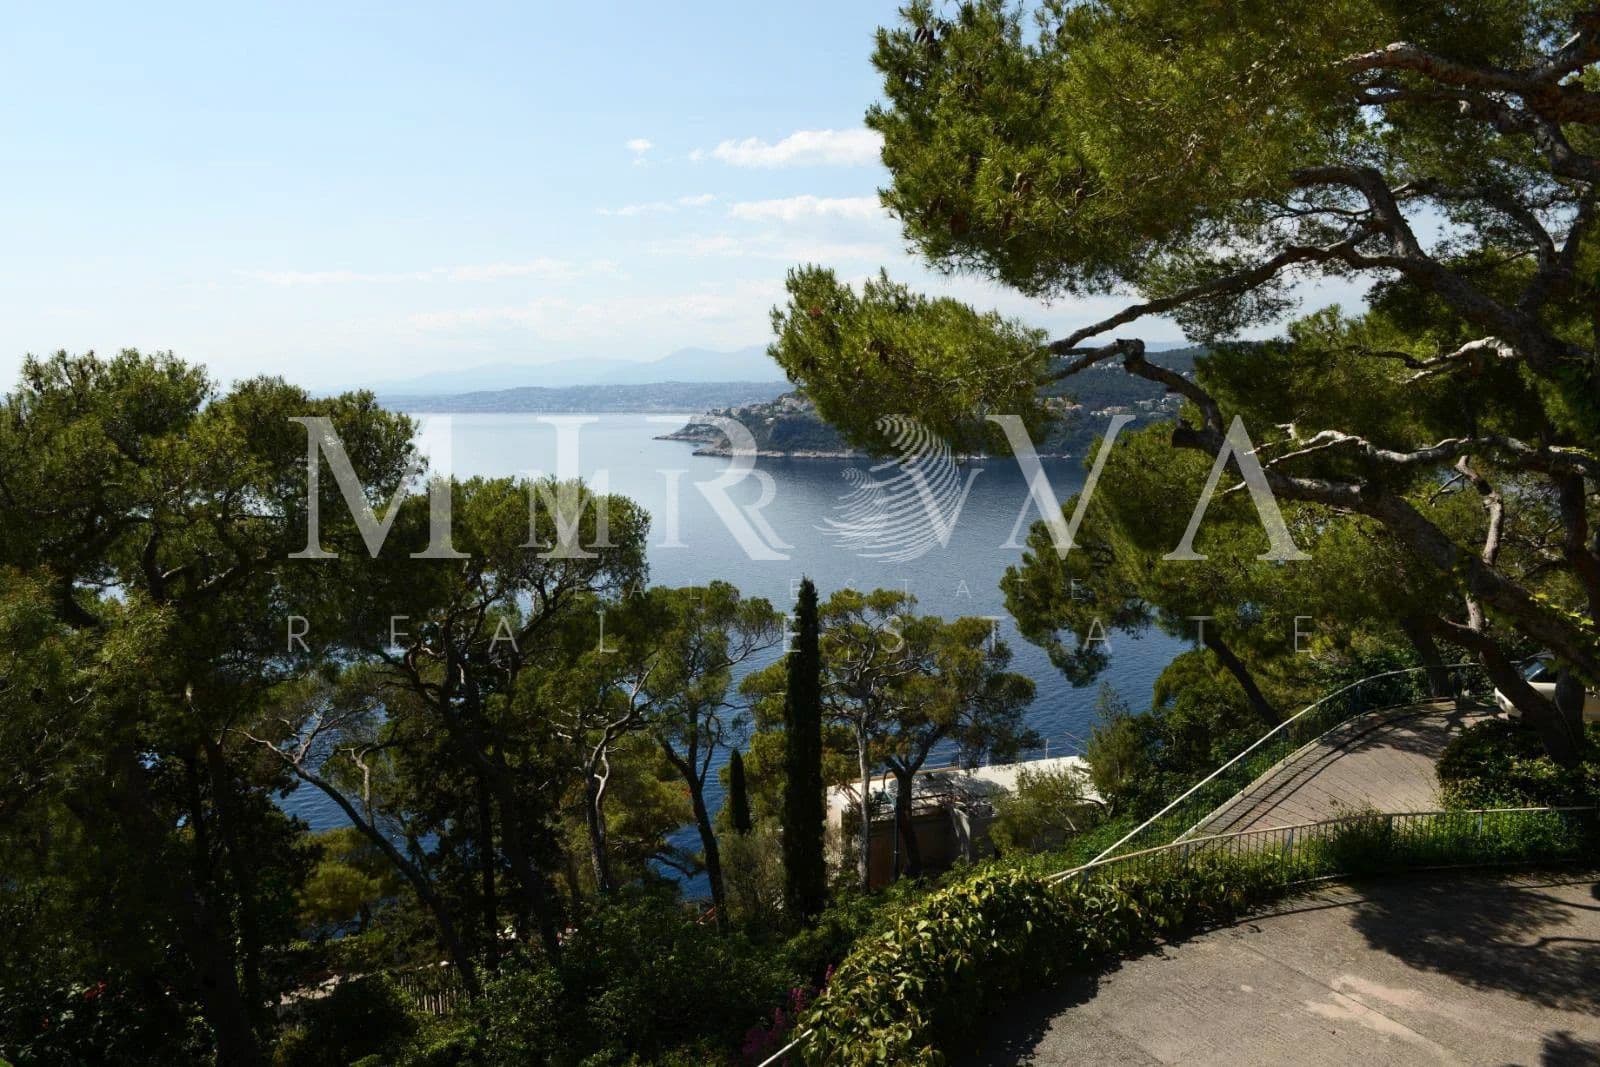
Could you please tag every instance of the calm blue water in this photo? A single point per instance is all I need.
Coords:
(959, 578)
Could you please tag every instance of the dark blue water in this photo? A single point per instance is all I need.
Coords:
(959, 578)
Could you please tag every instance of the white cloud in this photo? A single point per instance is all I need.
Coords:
(639, 146)
(803, 148)
(541, 267)
(628, 211)
(333, 277)
(770, 247)
(657, 207)
(719, 313)
(794, 208)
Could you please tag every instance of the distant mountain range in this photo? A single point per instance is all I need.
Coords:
(674, 397)
(750, 364)
(787, 426)
(685, 365)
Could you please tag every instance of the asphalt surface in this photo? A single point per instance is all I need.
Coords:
(1383, 762)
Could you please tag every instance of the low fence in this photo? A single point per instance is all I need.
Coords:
(1371, 842)
(435, 991)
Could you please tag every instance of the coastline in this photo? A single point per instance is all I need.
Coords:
(720, 451)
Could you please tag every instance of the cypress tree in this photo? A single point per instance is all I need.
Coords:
(738, 798)
(805, 877)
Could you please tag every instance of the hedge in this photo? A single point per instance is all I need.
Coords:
(951, 957)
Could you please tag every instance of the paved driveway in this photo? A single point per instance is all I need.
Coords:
(1385, 762)
(1444, 968)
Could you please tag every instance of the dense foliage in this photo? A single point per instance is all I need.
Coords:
(1440, 443)
(1500, 764)
(514, 723)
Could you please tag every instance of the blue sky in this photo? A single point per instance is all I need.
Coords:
(364, 193)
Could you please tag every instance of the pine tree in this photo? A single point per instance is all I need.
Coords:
(738, 798)
(805, 877)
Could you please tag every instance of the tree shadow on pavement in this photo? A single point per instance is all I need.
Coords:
(1562, 1049)
(1520, 939)
(1009, 1036)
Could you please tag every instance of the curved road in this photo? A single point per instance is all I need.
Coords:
(1447, 968)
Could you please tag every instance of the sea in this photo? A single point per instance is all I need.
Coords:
(806, 521)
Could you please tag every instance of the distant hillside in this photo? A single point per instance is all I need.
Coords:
(654, 396)
(685, 365)
(789, 425)
(701, 365)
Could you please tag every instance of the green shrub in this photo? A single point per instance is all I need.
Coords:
(527, 1018)
(945, 961)
(640, 980)
(951, 958)
(1500, 764)
(1047, 808)
(59, 1025)
(361, 1018)
(649, 978)
(454, 1041)
(1364, 845)
(752, 864)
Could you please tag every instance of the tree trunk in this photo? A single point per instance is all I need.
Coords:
(570, 872)
(486, 855)
(220, 999)
(702, 819)
(242, 872)
(713, 854)
(1580, 552)
(1235, 666)
(210, 948)
(1561, 742)
(200, 937)
(535, 897)
(449, 937)
(1439, 680)
(595, 819)
(905, 783)
(1569, 700)
(864, 855)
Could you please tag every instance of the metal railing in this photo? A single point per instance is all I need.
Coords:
(1376, 692)
(1384, 840)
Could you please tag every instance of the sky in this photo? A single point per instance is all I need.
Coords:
(351, 194)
